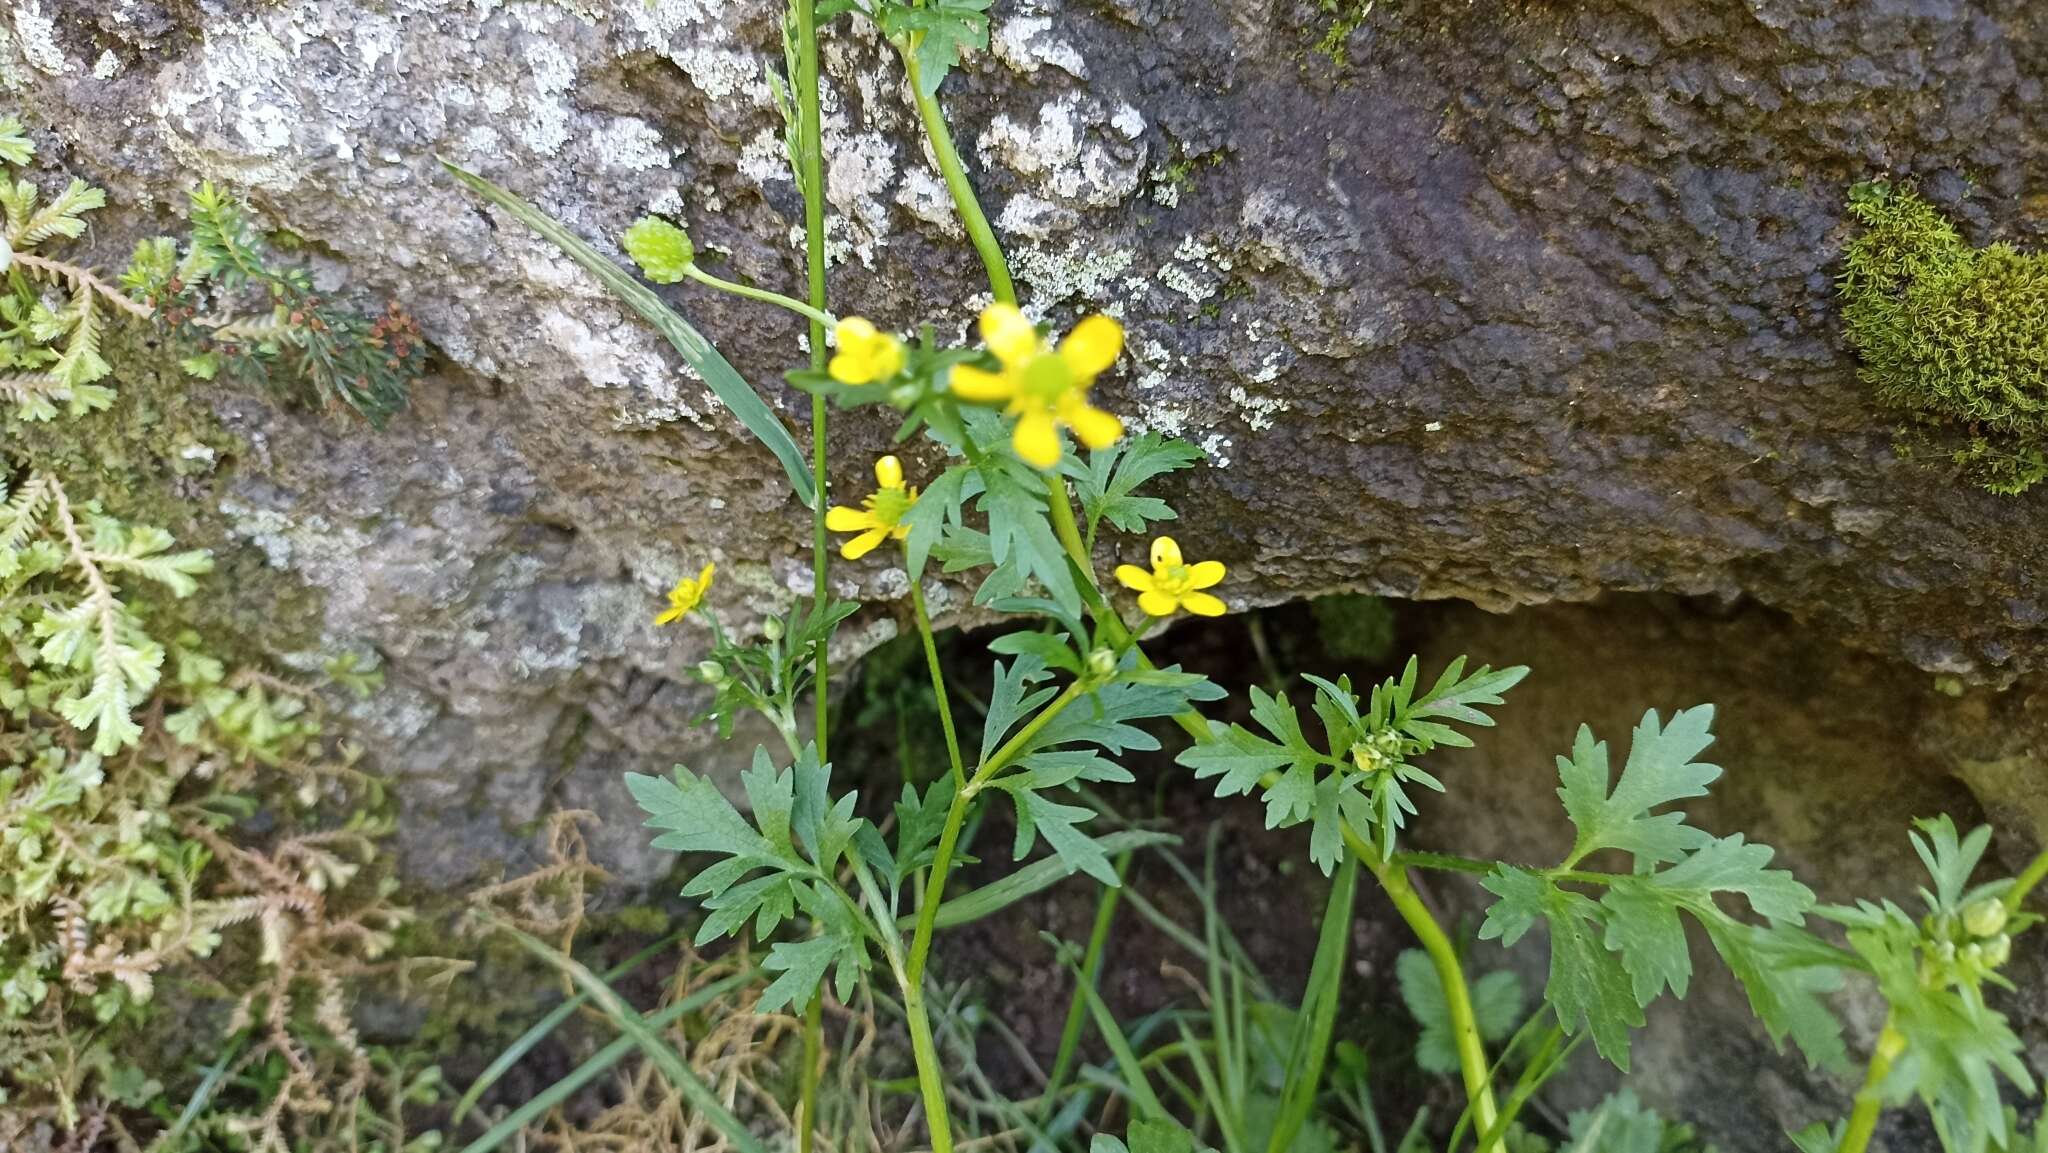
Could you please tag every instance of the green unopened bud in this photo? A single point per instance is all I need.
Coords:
(662, 250)
(1997, 951)
(1945, 952)
(1986, 917)
(772, 628)
(1972, 955)
(1101, 663)
(711, 671)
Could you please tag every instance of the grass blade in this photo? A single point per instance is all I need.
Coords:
(1318, 1010)
(667, 1060)
(504, 1061)
(1146, 1102)
(532, 1109)
(1091, 968)
(208, 1085)
(718, 373)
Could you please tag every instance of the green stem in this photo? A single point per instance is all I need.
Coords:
(811, 173)
(923, 1049)
(1472, 1064)
(931, 661)
(816, 314)
(1017, 744)
(956, 819)
(813, 1071)
(2035, 873)
(1891, 1044)
(940, 138)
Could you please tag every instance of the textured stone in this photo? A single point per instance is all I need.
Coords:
(1523, 303)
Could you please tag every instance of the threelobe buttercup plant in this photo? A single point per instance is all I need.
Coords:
(840, 902)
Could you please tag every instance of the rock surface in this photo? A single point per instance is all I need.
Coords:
(1513, 302)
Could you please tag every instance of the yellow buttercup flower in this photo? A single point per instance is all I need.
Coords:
(686, 596)
(880, 515)
(865, 353)
(1173, 584)
(1045, 388)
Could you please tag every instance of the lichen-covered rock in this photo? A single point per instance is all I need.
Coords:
(1517, 303)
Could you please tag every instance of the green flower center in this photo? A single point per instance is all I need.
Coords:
(890, 505)
(1047, 377)
(1172, 580)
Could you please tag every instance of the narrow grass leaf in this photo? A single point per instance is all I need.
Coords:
(673, 1069)
(723, 379)
(537, 1106)
(519, 1048)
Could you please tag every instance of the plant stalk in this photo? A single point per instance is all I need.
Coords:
(940, 138)
(815, 313)
(956, 819)
(2028, 881)
(923, 1049)
(811, 172)
(1472, 1063)
(931, 661)
(1891, 1045)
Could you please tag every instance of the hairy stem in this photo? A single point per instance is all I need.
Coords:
(930, 1075)
(2035, 873)
(1472, 1064)
(816, 314)
(813, 1072)
(931, 661)
(1891, 1045)
(940, 138)
(811, 175)
(956, 819)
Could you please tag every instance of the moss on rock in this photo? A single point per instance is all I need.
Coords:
(1953, 335)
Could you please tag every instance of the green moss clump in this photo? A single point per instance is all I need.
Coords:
(1954, 336)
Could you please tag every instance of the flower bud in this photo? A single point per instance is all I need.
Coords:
(1986, 917)
(1997, 951)
(711, 671)
(772, 628)
(1101, 663)
(663, 251)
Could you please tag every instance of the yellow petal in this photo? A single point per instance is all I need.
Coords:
(1132, 577)
(855, 332)
(889, 358)
(846, 368)
(979, 386)
(1206, 574)
(1096, 428)
(1093, 346)
(671, 616)
(1037, 439)
(1009, 334)
(1202, 604)
(1165, 553)
(863, 544)
(704, 578)
(840, 518)
(900, 532)
(1157, 604)
(889, 472)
